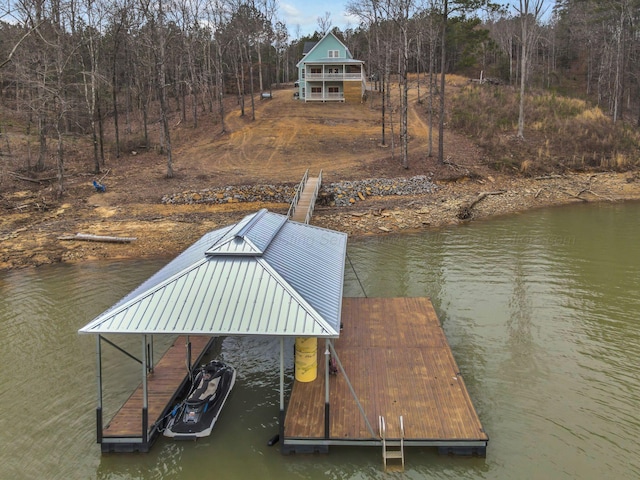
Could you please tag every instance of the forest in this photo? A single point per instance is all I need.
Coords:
(109, 71)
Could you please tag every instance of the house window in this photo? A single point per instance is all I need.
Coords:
(334, 89)
(316, 89)
(316, 70)
(334, 53)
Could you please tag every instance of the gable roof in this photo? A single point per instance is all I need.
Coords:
(265, 275)
(330, 36)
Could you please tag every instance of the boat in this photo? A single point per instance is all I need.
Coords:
(195, 416)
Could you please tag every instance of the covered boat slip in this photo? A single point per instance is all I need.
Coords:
(135, 428)
(397, 359)
(264, 276)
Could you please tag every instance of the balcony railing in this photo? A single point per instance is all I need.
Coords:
(333, 76)
(325, 97)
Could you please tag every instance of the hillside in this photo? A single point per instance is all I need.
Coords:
(286, 138)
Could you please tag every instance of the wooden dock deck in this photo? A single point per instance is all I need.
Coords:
(398, 361)
(124, 433)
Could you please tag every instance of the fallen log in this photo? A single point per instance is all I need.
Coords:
(97, 238)
(465, 212)
(32, 180)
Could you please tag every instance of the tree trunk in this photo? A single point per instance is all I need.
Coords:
(114, 90)
(60, 164)
(253, 103)
(162, 91)
(260, 67)
(101, 134)
(404, 96)
(42, 135)
(523, 73)
(220, 87)
(443, 61)
(432, 41)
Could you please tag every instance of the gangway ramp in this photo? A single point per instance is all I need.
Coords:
(301, 209)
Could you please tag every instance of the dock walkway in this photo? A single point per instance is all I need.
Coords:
(125, 431)
(304, 201)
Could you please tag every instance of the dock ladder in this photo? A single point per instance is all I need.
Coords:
(392, 449)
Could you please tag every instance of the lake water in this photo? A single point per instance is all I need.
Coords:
(541, 311)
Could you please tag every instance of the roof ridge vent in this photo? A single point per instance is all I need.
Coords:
(249, 225)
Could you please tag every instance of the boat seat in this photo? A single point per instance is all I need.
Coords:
(204, 391)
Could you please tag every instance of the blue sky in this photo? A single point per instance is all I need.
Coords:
(305, 13)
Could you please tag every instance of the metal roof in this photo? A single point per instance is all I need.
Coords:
(339, 61)
(308, 46)
(265, 275)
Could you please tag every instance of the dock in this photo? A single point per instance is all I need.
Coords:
(129, 430)
(397, 359)
(393, 381)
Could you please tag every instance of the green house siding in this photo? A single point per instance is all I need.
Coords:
(326, 70)
(328, 44)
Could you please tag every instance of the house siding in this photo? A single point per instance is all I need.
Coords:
(328, 72)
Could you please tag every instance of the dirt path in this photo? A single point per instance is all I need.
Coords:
(286, 138)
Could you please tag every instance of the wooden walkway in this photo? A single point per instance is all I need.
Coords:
(303, 205)
(124, 433)
(397, 358)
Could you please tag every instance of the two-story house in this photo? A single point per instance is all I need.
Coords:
(329, 73)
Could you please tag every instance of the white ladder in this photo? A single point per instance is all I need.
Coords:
(392, 449)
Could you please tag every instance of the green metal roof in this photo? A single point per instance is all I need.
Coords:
(266, 275)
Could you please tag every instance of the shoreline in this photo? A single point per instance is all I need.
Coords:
(166, 230)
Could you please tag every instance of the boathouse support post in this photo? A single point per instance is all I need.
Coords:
(99, 385)
(327, 355)
(282, 389)
(188, 346)
(145, 393)
(150, 350)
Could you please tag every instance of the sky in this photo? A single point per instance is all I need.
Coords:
(305, 13)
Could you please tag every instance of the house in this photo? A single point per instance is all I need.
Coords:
(329, 73)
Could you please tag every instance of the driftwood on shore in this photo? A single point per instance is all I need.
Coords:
(465, 212)
(97, 238)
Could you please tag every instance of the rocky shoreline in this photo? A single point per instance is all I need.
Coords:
(164, 229)
(338, 194)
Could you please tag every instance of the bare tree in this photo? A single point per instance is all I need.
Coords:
(372, 16)
(155, 16)
(324, 23)
(530, 14)
(17, 44)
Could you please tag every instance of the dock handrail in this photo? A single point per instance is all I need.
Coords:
(307, 219)
(296, 197)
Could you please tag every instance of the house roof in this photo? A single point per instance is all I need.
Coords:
(341, 61)
(329, 35)
(265, 275)
(308, 46)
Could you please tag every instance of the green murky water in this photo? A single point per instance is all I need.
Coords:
(541, 311)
